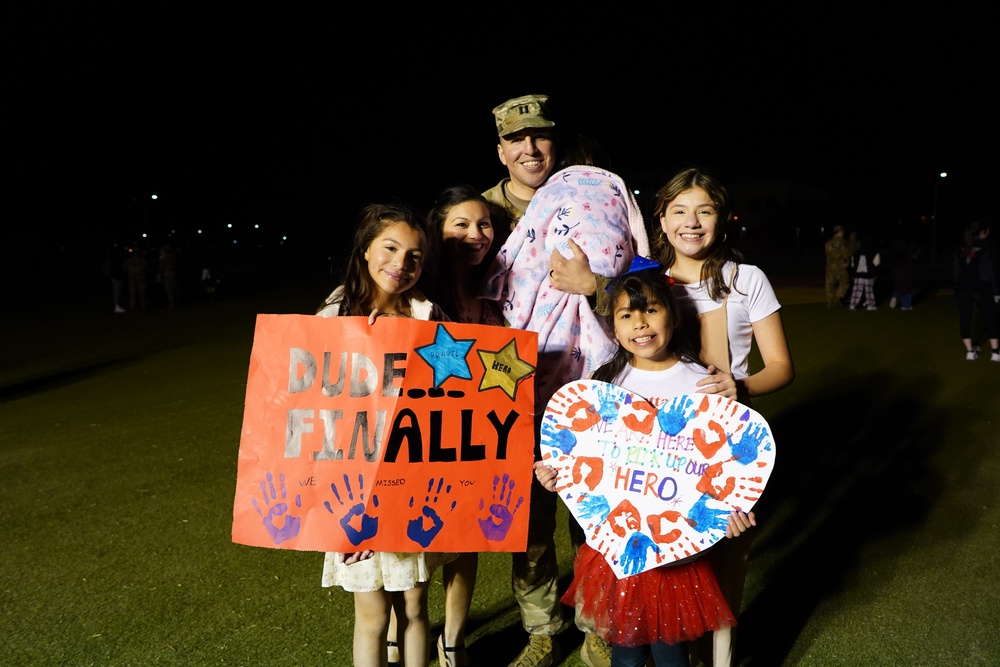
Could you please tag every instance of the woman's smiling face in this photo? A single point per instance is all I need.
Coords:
(468, 232)
(691, 223)
(395, 258)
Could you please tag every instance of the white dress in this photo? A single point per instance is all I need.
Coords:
(392, 571)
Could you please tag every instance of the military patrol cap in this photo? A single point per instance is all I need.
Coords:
(522, 112)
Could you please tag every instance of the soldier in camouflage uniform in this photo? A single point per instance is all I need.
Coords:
(838, 258)
(527, 147)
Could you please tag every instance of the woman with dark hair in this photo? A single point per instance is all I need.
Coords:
(728, 306)
(464, 235)
(734, 302)
(976, 284)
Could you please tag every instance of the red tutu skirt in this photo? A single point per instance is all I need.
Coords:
(670, 603)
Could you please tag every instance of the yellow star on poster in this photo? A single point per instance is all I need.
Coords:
(504, 369)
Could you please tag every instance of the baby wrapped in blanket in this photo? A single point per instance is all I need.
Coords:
(595, 208)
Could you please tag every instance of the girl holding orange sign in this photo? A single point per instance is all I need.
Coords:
(380, 280)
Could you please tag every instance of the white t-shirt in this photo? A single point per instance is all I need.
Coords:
(751, 299)
(659, 386)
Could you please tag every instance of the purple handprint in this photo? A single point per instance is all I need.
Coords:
(415, 528)
(291, 524)
(369, 524)
(496, 526)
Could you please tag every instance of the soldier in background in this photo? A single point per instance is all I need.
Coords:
(838, 258)
(168, 274)
(135, 266)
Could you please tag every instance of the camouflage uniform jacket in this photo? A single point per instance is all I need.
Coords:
(503, 208)
(838, 254)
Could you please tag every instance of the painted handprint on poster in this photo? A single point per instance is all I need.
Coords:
(652, 485)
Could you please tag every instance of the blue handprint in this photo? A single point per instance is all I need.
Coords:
(671, 417)
(633, 558)
(591, 505)
(745, 451)
(290, 526)
(496, 526)
(369, 524)
(607, 406)
(562, 439)
(415, 528)
(706, 518)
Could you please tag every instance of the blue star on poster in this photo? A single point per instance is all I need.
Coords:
(447, 356)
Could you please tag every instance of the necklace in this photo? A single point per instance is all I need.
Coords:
(395, 312)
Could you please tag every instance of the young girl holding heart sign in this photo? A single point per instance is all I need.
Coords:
(658, 610)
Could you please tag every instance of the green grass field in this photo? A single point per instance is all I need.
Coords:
(878, 539)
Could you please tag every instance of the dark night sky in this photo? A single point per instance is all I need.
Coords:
(293, 121)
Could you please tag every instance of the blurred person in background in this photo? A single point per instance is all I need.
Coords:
(136, 268)
(113, 269)
(167, 267)
(904, 269)
(864, 270)
(975, 278)
(838, 258)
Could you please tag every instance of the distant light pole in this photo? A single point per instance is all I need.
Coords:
(937, 180)
(145, 212)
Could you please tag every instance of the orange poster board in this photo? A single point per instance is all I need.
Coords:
(404, 435)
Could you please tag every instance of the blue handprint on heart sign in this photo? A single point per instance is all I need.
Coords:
(753, 441)
(633, 558)
(671, 416)
(369, 524)
(607, 406)
(704, 518)
(561, 439)
(593, 506)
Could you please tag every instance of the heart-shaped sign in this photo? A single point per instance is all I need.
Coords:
(653, 485)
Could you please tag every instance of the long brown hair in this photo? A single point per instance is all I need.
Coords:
(359, 286)
(720, 252)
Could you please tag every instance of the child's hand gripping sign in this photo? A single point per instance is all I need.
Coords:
(653, 485)
(405, 435)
